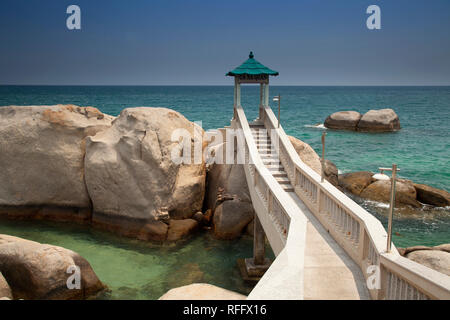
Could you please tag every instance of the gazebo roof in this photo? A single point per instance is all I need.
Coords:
(252, 67)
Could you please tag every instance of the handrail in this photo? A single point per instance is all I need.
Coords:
(360, 234)
(277, 213)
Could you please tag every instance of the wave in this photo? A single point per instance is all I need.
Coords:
(376, 203)
(317, 126)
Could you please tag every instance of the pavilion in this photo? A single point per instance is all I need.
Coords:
(252, 71)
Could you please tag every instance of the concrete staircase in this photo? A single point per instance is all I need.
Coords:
(269, 156)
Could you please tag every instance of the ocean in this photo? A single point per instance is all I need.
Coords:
(421, 149)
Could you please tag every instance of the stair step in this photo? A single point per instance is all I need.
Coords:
(288, 187)
(271, 162)
(283, 180)
(268, 156)
(279, 174)
(275, 168)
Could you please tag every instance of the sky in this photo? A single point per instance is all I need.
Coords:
(195, 42)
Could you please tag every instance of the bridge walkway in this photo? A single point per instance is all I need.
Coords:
(329, 273)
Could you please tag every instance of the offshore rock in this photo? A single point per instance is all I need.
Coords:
(384, 120)
(343, 120)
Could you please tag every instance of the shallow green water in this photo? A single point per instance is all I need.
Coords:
(134, 269)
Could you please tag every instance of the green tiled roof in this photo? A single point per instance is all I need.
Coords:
(252, 67)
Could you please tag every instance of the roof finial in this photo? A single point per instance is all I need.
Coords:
(251, 56)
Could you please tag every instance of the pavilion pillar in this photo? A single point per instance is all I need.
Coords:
(266, 94)
(259, 264)
(238, 93)
(235, 98)
(261, 100)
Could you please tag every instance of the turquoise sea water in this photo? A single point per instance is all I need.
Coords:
(421, 149)
(134, 269)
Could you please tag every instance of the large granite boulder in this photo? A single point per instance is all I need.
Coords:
(42, 271)
(343, 120)
(355, 182)
(227, 195)
(383, 120)
(42, 160)
(438, 260)
(405, 193)
(201, 291)
(432, 196)
(312, 160)
(231, 218)
(132, 177)
(5, 290)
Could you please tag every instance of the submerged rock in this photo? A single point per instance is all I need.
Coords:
(343, 120)
(42, 160)
(383, 120)
(132, 178)
(41, 271)
(180, 228)
(201, 291)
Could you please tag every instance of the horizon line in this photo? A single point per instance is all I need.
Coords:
(221, 85)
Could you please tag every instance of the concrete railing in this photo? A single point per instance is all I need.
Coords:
(359, 233)
(278, 214)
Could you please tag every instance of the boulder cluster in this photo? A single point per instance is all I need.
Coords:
(365, 185)
(383, 120)
(70, 163)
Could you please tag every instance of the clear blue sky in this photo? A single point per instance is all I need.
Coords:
(151, 42)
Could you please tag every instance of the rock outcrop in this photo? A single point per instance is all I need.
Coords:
(437, 257)
(41, 271)
(132, 177)
(343, 120)
(355, 182)
(201, 291)
(5, 290)
(231, 217)
(70, 163)
(42, 152)
(229, 199)
(312, 159)
(432, 196)
(405, 193)
(383, 120)
(227, 183)
(365, 185)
